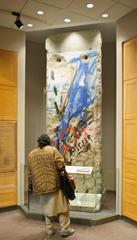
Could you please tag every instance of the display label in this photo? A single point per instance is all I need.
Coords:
(79, 169)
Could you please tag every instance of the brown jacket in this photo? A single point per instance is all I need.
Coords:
(43, 167)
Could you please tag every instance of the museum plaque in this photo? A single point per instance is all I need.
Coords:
(79, 169)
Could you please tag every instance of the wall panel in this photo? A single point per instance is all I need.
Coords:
(8, 68)
(8, 103)
(130, 129)
(8, 128)
(8, 189)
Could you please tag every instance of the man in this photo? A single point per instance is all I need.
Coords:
(44, 165)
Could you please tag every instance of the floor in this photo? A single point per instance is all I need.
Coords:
(15, 226)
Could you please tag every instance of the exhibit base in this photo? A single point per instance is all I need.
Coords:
(84, 218)
(87, 202)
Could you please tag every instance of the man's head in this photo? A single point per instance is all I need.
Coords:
(43, 140)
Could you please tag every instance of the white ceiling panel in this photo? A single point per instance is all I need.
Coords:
(56, 3)
(100, 6)
(130, 3)
(6, 20)
(117, 11)
(12, 5)
(50, 13)
(75, 19)
(37, 25)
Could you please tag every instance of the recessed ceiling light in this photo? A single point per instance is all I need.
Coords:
(105, 15)
(90, 5)
(40, 12)
(30, 25)
(67, 20)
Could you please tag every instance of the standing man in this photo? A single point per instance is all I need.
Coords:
(44, 164)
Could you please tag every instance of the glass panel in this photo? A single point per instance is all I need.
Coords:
(24, 194)
(108, 198)
(92, 207)
(31, 202)
(88, 201)
(101, 204)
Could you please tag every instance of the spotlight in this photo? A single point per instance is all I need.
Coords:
(18, 22)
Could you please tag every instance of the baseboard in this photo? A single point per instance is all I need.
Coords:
(129, 220)
(8, 208)
(110, 191)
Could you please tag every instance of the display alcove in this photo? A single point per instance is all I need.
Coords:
(74, 123)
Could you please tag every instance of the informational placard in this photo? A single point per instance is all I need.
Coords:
(79, 169)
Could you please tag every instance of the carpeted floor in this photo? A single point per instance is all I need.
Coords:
(15, 226)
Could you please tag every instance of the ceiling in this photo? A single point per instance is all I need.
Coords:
(55, 11)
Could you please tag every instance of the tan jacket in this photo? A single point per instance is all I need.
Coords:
(43, 168)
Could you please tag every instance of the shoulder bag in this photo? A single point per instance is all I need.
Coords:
(67, 185)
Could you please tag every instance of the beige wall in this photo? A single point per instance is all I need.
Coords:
(108, 113)
(35, 83)
(14, 40)
(126, 29)
(74, 41)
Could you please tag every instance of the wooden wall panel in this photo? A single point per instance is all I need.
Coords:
(8, 103)
(130, 189)
(130, 169)
(8, 68)
(130, 139)
(8, 143)
(130, 99)
(8, 128)
(130, 209)
(8, 189)
(130, 60)
(129, 200)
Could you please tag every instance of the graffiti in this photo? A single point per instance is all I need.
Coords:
(74, 105)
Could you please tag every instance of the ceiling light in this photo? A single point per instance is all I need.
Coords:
(30, 25)
(40, 12)
(90, 5)
(105, 15)
(67, 20)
